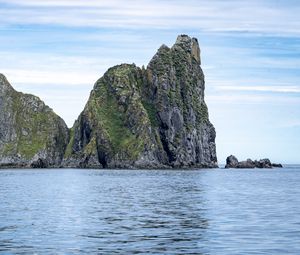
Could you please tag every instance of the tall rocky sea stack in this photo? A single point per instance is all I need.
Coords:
(147, 118)
(135, 118)
(31, 134)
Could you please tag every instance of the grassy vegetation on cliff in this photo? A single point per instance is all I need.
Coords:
(108, 107)
(152, 112)
(33, 122)
(69, 149)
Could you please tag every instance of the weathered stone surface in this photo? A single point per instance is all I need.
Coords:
(153, 118)
(232, 162)
(114, 130)
(246, 164)
(31, 134)
(263, 163)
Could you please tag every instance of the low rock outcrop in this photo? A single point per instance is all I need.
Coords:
(277, 165)
(31, 134)
(232, 162)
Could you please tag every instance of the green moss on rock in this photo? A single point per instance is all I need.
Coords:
(117, 117)
(152, 112)
(29, 129)
(69, 148)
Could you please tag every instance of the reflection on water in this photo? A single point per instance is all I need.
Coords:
(150, 212)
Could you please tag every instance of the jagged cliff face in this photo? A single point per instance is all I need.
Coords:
(31, 134)
(142, 118)
(147, 118)
(175, 88)
(114, 130)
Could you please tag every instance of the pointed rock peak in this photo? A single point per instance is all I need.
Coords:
(4, 84)
(189, 45)
(117, 75)
(123, 66)
(162, 50)
(3, 78)
(183, 39)
(163, 47)
(120, 70)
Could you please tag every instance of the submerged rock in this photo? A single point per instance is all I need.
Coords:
(31, 134)
(232, 162)
(147, 118)
(277, 165)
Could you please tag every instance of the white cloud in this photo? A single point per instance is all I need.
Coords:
(276, 89)
(218, 16)
(294, 123)
(65, 3)
(248, 99)
(46, 68)
(48, 77)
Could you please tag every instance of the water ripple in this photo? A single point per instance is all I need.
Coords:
(150, 212)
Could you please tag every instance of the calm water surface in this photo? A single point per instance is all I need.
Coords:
(150, 212)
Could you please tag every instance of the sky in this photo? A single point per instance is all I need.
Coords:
(250, 51)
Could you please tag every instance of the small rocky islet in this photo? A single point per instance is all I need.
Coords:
(153, 117)
(232, 162)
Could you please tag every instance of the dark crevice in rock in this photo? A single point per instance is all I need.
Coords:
(197, 151)
(102, 158)
(85, 131)
(171, 156)
(40, 163)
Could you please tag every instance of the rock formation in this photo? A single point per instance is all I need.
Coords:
(135, 118)
(148, 118)
(31, 134)
(232, 162)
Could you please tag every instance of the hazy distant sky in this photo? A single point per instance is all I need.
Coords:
(57, 49)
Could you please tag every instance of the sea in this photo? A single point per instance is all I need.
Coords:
(216, 211)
